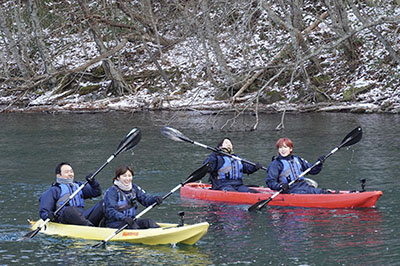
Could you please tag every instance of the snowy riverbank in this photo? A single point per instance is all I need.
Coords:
(200, 102)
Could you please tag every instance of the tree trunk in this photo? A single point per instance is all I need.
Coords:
(5, 71)
(13, 47)
(210, 35)
(23, 34)
(138, 19)
(38, 35)
(118, 84)
(341, 25)
(285, 50)
(364, 19)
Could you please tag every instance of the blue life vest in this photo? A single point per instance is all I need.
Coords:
(66, 191)
(127, 203)
(291, 170)
(231, 169)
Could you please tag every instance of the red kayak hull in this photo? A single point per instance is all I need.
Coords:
(332, 201)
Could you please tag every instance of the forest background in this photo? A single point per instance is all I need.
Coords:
(219, 56)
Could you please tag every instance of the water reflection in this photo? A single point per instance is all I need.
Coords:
(229, 232)
(290, 235)
(229, 223)
(325, 228)
(66, 251)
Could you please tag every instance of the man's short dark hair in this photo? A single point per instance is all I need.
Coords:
(58, 167)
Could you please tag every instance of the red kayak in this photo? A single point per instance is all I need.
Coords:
(344, 199)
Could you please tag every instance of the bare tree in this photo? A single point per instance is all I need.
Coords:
(118, 85)
(212, 39)
(297, 38)
(143, 23)
(341, 25)
(364, 19)
(12, 46)
(38, 35)
(22, 33)
(242, 50)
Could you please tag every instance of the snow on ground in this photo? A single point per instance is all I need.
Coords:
(188, 57)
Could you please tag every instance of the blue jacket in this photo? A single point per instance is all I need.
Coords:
(113, 214)
(48, 200)
(275, 169)
(216, 161)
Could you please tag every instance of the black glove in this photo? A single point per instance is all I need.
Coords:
(129, 221)
(158, 199)
(321, 159)
(89, 179)
(284, 187)
(52, 216)
(258, 166)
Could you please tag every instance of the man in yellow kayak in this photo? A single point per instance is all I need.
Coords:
(121, 199)
(61, 190)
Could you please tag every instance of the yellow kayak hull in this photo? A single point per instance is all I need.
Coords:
(166, 234)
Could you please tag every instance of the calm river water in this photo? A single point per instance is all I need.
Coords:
(32, 144)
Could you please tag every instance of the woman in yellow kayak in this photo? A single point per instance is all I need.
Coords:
(121, 199)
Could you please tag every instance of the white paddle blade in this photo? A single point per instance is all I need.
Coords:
(173, 134)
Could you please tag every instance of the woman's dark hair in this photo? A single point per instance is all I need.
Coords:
(58, 167)
(122, 170)
(222, 141)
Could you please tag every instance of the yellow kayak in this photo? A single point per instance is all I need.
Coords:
(166, 234)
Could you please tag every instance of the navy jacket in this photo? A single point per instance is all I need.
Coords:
(275, 168)
(49, 198)
(113, 215)
(216, 161)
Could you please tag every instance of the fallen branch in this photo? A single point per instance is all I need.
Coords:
(277, 57)
(39, 80)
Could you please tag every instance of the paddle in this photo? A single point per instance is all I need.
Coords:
(130, 141)
(195, 176)
(176, 135)
(352, 138)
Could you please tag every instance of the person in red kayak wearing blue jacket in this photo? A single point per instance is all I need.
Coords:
(61, 190)
(226, 173)
(286, 167)
(121, 202)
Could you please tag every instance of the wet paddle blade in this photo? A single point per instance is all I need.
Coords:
(352, 138)
(130, 141)
(174, 134)
(258, 205)
(101, 243)
(198, 174)
(31, 234)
